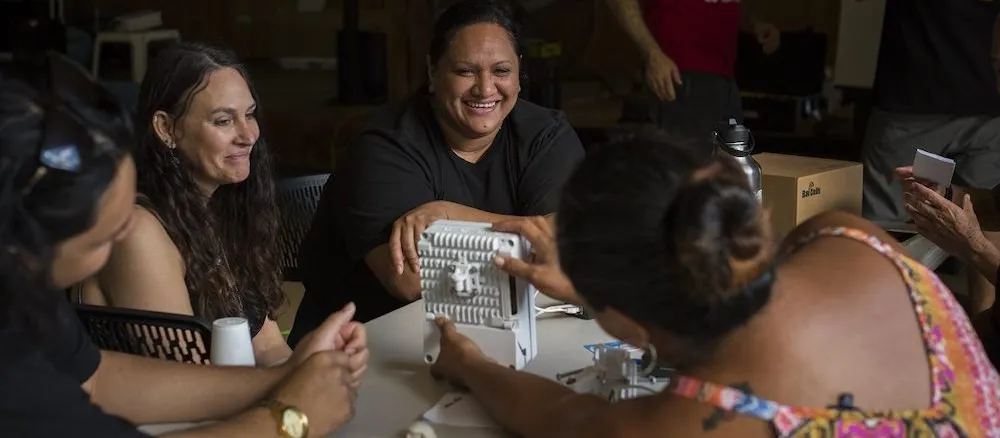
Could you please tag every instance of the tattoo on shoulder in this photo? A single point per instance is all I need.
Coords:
(720, 415)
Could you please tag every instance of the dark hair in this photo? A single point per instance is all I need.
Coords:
(466, 13)
(47, 104)
(649, 229)
(228, 244)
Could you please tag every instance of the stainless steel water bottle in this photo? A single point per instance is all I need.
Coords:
(737, 141)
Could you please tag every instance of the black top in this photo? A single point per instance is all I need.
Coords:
(935, 57)
(401, 161)
(40, 393)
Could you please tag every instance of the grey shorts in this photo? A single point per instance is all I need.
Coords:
(892, 139)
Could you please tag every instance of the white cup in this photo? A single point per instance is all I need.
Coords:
(231, 344)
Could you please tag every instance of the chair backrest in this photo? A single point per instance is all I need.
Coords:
(297, 200)
(166, 336)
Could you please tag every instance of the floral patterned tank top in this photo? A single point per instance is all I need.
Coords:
(966, 388)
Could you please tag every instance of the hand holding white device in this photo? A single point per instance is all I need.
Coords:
(933, 168)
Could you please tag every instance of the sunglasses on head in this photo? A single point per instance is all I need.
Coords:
(64, 138)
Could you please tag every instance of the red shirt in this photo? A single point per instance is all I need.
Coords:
(699, 35)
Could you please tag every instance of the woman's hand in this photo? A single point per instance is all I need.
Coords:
(768, 36)
(905, 176)
(662, 75)
(457, 352)
(406, 234)
(337, 333)
(543, 270)
(353, 340)
(954, 228)
(321, 388)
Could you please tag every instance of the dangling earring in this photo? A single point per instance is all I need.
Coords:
(653, 360)
(174, 161)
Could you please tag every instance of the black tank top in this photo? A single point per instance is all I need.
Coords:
(254, 319)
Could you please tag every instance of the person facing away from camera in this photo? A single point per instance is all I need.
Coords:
(835, 332)
(204, 242)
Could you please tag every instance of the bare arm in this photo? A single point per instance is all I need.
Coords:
(146, 272)
(269, 347)
(986, 258)
(464, 213)
(406, 285)
(629, 16)
(144, 390)
(256, 423)
(533, 406)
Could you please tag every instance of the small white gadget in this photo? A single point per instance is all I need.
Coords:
(615, 376)
(933, 167)
(460, 281)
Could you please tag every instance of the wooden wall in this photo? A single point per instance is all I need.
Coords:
(274, 28)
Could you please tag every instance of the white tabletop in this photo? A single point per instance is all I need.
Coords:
(398, 388)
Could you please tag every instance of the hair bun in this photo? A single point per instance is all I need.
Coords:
(722, 249)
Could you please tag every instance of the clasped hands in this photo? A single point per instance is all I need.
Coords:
(324, 372)
(338, 334)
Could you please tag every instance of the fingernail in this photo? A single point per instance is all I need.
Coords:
(499, 261)
(399, 270)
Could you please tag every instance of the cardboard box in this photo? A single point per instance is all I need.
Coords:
(797, 188)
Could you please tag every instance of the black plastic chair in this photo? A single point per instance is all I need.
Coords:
(166, 336)
(297, 200)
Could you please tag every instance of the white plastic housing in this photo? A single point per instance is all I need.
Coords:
(460, 281)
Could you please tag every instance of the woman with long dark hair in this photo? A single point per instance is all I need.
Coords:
(67, 194)
(205, 240)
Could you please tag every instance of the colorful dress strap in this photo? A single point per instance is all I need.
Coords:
(851, 233)
(965, 388)
(726, 398)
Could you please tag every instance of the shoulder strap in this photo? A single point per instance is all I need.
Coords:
(782, 418)
(851, 233)
(725, 398)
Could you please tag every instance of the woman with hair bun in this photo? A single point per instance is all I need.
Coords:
(833, 333)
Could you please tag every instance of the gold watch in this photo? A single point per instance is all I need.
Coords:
(292, 422)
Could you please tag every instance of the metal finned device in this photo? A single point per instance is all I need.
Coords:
(459, 281)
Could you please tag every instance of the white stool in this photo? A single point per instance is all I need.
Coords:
(139, 41)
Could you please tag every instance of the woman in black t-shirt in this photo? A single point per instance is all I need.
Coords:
(467, 149)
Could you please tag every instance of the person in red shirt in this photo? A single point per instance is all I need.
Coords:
(689, 49)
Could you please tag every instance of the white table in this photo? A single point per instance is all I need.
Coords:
(398, 388)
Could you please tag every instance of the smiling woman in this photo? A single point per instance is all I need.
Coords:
(466, 148)
(203, 242)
